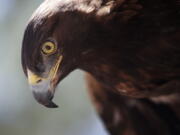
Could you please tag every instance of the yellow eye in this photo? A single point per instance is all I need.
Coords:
(49, 48)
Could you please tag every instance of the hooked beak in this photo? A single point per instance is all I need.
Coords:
(44, 88)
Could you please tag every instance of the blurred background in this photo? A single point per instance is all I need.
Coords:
(19, 112)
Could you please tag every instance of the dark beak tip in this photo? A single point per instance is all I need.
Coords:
(45, 99)
(51, 105)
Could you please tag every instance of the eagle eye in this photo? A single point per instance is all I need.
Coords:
(49, 48)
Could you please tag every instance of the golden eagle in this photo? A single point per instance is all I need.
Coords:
(130, 50)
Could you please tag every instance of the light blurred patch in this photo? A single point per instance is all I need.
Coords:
(6, 7)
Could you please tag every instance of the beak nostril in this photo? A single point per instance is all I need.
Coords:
(38, 81)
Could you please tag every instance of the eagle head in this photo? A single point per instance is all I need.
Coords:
(52, 46)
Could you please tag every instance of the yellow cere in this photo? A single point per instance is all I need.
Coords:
(33, 78)
(49, 48)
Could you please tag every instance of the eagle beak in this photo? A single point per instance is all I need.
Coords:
(43, 88)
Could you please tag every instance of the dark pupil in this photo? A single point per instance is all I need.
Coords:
(48, 47)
